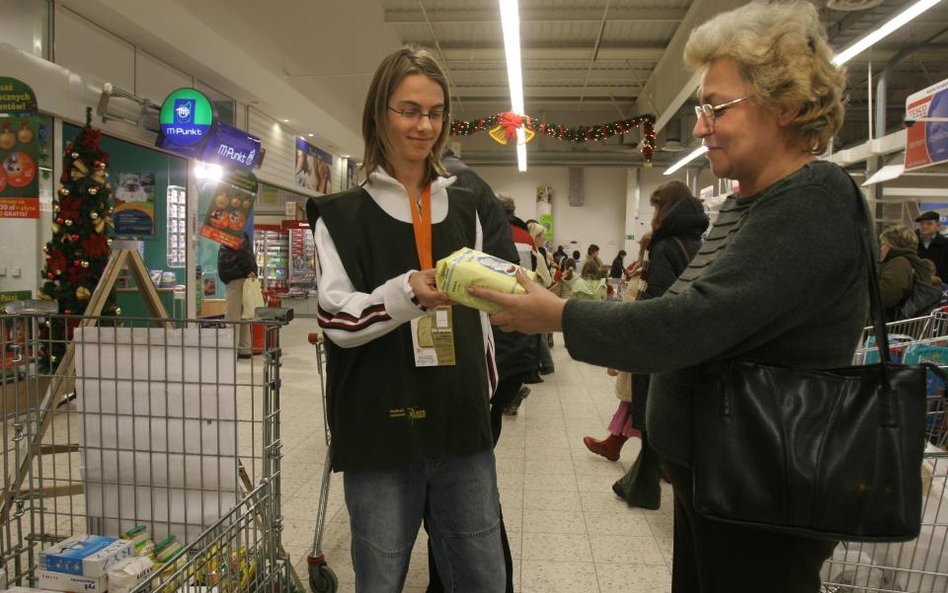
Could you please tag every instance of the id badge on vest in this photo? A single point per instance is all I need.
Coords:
(433, 338)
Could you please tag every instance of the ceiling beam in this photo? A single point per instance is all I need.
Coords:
(559, 53)
(671, 82)
(527, 16)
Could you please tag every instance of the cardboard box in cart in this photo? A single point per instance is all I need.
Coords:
(86, 555)
(60, 581)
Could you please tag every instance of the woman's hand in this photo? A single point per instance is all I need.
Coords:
(536, 312)
(426, 289)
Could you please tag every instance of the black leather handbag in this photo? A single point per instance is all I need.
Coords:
(830, 454)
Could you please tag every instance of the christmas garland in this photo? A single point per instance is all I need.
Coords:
(503, 127)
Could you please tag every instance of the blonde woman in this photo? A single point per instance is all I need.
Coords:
(781, 278)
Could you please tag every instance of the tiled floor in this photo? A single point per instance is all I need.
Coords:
(568, 531)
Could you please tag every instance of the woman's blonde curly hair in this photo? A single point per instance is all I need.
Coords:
(782, 53)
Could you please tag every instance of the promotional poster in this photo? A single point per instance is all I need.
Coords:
(926, 142)
(19, 150)
(230, 208)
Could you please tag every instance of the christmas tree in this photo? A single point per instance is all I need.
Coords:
(81, 244)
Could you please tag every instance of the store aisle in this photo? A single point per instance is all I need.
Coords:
(568, 531)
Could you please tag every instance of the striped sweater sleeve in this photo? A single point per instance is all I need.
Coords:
(350, 318)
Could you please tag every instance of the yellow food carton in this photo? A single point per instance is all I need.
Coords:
(469, 267)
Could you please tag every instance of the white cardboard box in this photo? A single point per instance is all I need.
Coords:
(60, 581)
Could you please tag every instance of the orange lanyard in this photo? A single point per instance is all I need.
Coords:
(421, 222)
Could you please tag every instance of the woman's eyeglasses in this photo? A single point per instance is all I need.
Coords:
(710, 112)
(435, 115)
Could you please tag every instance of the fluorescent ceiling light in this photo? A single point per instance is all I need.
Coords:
(687, 159)
(841, 58)
(510, 22)
(892, 25)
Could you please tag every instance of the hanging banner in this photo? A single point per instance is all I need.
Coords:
(231, 206)
(313, 167)
(19, 150)
(545, 209)
(352, 174)
(232, 147)
(926, 142)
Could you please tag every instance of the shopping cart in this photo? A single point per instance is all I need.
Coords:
(322, 579)
(920, 565)
(143, 422)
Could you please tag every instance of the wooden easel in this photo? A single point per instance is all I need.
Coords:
(63, 380)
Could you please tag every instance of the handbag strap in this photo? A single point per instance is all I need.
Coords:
(875, 297)
(889, 418)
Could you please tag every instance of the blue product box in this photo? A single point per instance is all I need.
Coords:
(85, 555)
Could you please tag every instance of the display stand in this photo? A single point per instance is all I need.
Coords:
(63, 380)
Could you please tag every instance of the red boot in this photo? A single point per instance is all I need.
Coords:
(608, 447)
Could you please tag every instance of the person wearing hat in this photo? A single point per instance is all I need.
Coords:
(931, 245)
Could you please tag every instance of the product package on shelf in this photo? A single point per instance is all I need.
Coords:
(85, 555)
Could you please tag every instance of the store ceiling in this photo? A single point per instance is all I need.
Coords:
(585, 62)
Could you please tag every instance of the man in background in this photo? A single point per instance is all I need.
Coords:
(931, 245)
(513, 349)
(234, 266)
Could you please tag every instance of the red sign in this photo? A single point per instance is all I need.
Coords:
(19, 208)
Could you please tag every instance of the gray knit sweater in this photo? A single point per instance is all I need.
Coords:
(781, 279)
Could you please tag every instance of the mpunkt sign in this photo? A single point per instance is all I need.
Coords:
(186, 117)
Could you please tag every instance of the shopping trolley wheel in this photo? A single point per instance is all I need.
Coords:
(321, 578)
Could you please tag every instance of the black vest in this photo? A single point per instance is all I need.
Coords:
(383, 410)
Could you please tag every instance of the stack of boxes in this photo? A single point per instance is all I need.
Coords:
(82, 563)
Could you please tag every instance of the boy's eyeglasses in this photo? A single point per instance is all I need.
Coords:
(435, 115)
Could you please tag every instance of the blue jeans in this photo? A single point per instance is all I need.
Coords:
(458, 498)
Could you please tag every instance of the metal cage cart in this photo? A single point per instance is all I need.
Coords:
(145, 426)
(920, 565)
(322, 579)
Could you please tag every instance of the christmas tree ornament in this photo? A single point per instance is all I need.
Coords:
(74, 155)
(85, 264)
(94, 215)
(67, 311)
(56, 208)
(93, 190)
(83, 293)
(118, 310)
(64, 191)
(54, 227)
(68, 222)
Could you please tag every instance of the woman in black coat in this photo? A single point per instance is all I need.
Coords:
(677, 225)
